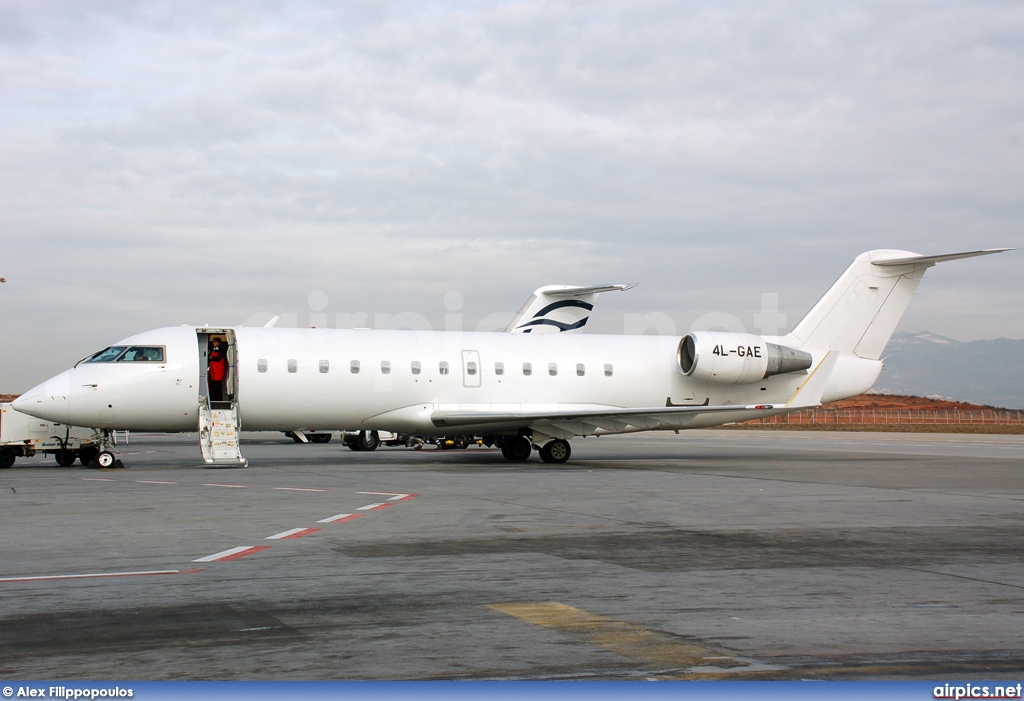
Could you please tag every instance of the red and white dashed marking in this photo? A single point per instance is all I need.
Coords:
(300, 489)
(233, 553)
(293, 533)
(231, 486)
(374, 507)
(395, 496)
(99, 575)
(340, 518)
(154, 482)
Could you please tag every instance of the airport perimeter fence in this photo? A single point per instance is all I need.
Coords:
(897, 416)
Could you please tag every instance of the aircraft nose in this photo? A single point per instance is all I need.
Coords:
(49, 400)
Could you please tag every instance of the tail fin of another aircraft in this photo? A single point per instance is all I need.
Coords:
(559, 308)
(860, 311)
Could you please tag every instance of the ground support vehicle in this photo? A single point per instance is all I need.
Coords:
(22, 436)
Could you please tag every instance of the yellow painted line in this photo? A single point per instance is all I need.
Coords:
(626, 639)
(674, 658)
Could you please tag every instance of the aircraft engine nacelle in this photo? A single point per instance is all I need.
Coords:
(736, 358)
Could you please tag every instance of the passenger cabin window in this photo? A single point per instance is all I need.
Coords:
(261, 365)
(527, 369)
(293, 365)
(552, 369)
(581, 369)
(471, 368)
(325, 366)
(385, 367)
(443, 367)
(353, 367)
(499, 368)
(416, 367)
(608, 370)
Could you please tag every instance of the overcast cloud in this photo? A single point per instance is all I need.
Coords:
(195, 162)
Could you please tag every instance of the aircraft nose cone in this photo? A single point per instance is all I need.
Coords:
(47, 401)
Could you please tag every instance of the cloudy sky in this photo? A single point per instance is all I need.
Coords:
(195, 162)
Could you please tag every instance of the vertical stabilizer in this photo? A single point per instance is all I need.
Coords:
(860, 311)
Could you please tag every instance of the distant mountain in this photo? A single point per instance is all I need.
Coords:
(928, 365)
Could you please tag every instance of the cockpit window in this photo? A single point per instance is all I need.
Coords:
(107, 355)
(150, 354)
(122, 354)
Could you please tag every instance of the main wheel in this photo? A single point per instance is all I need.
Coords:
(319, 437)
(7, 458)
(87, 454)
(105, 459)
(556, 451)
(517, 449)
(368, 440)
(66, 458)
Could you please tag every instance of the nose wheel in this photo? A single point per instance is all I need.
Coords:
(105, 459)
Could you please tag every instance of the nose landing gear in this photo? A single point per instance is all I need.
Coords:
(105, 458)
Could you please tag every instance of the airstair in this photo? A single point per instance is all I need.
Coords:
(219, 434)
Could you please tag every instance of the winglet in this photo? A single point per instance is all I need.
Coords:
(809, 394)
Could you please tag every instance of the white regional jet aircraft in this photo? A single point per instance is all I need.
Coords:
(521, 391)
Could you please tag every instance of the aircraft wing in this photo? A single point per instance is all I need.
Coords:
(583, 422)
(559, 308)
(565, 422)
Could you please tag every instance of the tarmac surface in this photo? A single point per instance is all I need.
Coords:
(711, 554)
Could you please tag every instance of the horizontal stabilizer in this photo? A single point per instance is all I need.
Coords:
(932, 260)
(861, 310)
(572, 291)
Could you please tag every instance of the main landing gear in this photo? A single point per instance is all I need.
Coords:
(556, 451)
(518, 449)
(364, 440)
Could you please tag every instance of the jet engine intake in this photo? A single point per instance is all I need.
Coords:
(736, 358)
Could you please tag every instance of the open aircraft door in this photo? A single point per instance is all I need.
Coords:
(219, 421)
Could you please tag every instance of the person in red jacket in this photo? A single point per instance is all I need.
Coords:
(217, 370)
